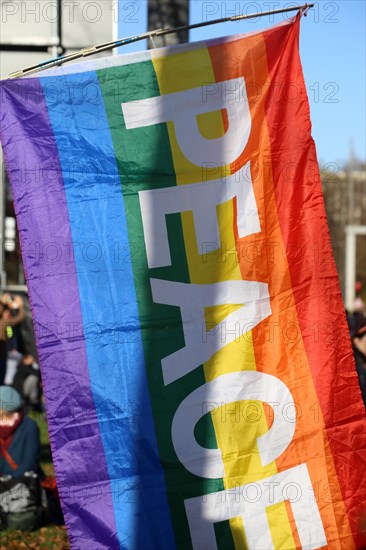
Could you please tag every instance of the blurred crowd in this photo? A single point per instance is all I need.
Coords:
(28, 499)
(357, 328)
(19, 366)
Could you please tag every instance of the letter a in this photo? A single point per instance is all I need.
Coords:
(192, 300)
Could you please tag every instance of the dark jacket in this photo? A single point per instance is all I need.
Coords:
(21, 374)
(24, 450)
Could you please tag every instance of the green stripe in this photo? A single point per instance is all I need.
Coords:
(145, 162)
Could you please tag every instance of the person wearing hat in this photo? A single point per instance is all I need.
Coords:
(19, 437)
(21, 504)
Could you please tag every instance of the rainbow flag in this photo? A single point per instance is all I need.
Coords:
(198, 374)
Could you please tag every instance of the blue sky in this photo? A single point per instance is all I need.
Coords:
(332, 47)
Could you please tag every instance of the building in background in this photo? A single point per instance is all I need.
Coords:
(32, 31)
(345, 203)
(168, 14)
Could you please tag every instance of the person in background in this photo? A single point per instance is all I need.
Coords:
(26, 334)
(22, 505)
(357, 328)
(11, 314)
(27, 381)
(19, 436)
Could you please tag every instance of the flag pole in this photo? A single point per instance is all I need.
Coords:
(150, 34)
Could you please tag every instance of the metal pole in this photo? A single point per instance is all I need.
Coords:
(151, 34)
(59, 26)
(57, 49)
(350, 258)
(350, 267)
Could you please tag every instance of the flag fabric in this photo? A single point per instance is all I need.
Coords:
(198, 375)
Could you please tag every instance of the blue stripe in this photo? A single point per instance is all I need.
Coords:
(109, 310)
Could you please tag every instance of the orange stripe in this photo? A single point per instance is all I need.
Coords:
(278, 344)
(313, 273)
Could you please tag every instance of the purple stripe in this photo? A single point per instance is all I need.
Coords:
(40, 202)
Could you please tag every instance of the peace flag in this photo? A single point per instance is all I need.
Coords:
(198, 375)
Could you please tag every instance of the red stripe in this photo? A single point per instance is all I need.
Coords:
(312, 269)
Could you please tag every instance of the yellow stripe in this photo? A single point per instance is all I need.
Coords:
(187, 70)
(236, 431)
